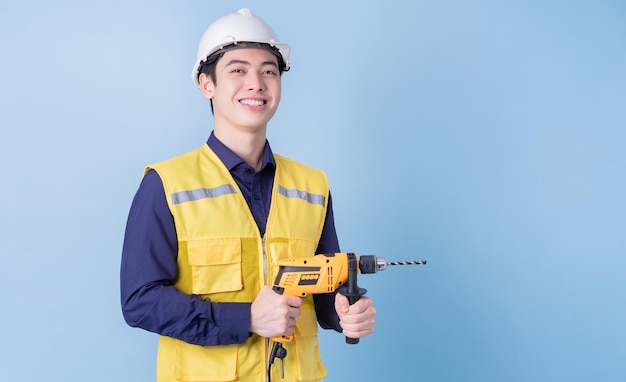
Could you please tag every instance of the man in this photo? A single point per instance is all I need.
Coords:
(207, 228)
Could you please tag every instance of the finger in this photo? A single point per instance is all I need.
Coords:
(293, 301)
(342, 305)
(362, 305)
(358, 323)
(291, 325)
(295, 312)
(358, 333)
(366, 317)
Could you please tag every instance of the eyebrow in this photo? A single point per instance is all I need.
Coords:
(243, 62)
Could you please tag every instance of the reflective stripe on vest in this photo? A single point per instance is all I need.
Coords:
(299, 194)
(201, 193)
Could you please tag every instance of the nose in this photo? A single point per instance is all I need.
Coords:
(255, 81)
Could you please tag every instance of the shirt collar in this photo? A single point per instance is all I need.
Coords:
(232, 160)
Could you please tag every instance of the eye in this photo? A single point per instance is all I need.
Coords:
(270, 72)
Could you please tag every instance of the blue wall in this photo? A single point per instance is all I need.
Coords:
(486, 137)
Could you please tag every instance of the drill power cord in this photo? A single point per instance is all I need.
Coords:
(278, 351)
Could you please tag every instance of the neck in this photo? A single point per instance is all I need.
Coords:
(249, 146)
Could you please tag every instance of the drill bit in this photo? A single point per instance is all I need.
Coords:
(415, 262)
(371, 264)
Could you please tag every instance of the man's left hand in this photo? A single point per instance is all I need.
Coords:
(357, 320)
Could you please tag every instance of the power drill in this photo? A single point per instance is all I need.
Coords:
(325, 273)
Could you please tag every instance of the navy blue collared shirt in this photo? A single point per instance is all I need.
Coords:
(149, 269)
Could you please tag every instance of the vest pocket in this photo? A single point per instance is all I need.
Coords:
(196, 363)
(309, 364)
(215, 265)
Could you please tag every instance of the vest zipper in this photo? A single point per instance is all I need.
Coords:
(264, 261)
(267, 340)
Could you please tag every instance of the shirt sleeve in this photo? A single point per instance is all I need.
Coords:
(147, 273)
(325, 303)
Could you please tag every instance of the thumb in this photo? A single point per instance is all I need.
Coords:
(342, 305)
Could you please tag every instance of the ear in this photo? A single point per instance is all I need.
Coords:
(206, 85)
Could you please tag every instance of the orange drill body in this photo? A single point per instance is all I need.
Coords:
(312, 275)
(326, 273)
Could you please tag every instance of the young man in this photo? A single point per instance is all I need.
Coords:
(207, 228)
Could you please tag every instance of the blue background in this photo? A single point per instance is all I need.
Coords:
(486, 137)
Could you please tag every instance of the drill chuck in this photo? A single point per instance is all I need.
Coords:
(369, 264)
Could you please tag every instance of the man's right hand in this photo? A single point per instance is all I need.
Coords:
(273, 314)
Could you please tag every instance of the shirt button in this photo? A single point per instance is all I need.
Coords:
(256, 197)
(236, 338)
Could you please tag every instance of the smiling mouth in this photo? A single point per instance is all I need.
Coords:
(252, 102)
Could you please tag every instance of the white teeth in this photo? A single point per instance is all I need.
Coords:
(252, 102)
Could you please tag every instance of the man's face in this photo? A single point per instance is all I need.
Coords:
(247, 89)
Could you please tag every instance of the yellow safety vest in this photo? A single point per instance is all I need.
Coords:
(222, 257)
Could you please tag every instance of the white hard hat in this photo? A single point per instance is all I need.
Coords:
(241, 26)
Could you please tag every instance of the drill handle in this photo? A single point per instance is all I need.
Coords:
(352, 298)
(351, 289)
(281, 339)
